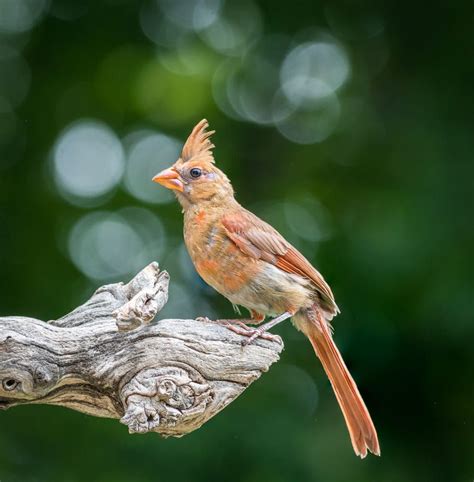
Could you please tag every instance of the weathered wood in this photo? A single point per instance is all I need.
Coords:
(105, 359)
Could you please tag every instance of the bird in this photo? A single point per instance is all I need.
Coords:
(252, 265)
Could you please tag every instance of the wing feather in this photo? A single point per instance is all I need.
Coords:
(259, 240)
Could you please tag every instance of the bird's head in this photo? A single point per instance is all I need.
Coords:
(193, 177)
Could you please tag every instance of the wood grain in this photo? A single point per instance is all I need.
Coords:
(106, 359)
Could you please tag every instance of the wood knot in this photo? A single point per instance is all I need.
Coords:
(10, 384)
(163, 398)
(43, 377)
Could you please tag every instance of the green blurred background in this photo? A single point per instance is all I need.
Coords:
(348, 125)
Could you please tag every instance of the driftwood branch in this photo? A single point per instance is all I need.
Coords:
(105, 359)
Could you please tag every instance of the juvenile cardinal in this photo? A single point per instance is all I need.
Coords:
(252, 265)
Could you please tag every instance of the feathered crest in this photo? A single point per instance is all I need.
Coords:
(198, 146)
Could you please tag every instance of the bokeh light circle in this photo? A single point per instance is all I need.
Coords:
(157, 28)
(310, 65)
(191, 14)
(88, 161)
(315, 120)
(246, 89)
(18, 16)
(147, 154)
(107, 246)
(237, 27)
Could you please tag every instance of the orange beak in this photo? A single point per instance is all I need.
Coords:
(170, 178)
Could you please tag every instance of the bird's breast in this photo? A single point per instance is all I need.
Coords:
(221, 264)
(217, 259)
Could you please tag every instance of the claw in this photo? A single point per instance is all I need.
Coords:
(240, 327)
(252, 333)
(257, 333)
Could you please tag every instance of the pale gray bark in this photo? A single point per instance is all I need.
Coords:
(105, 359)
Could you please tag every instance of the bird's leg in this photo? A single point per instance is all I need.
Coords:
(244, 330)
(240, 326)
(261, 331)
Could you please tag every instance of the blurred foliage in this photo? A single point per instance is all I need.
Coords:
(348, 125)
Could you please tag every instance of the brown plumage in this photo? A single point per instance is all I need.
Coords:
(198, 147)
(252, 265)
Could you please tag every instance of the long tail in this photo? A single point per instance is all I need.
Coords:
(361, 428)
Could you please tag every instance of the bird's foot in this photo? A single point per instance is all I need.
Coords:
(262, 330)
(240, 326)
(252, 333)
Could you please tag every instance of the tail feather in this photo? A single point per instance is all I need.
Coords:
(361, 428)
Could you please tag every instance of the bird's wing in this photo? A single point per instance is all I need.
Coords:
(259, 240)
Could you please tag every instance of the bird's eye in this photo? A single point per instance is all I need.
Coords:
(195, 172)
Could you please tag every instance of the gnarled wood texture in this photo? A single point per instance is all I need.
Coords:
(105, 359)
